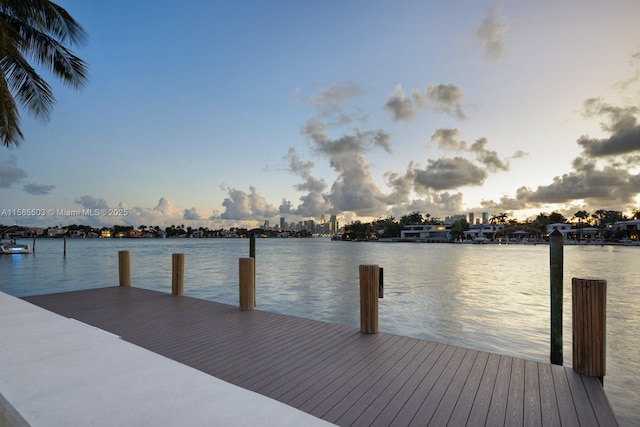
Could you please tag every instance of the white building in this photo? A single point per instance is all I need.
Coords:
(426, 233)
(561, 227)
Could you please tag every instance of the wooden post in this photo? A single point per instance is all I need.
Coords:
(247, 284)
(177, 274)
(33, 246)
(589, 305)
(252, 254)
(556, 277)
(369, 282)
(64, 247)
(124, 268)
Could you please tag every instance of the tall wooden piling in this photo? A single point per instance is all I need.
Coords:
(124, 268)
(246, 279)
(556, 278)
(252, 254)
(64, 246)
(589, 306)
(177, 274)
(369, 282)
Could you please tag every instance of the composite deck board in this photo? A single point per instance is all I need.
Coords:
(337, 373)
(481, 404)
(548, 402)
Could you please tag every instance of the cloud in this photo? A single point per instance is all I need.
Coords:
(445, 98)
(38, 189)
(330, 100)
(353, 189)
(400, 107)
(605, 187)
(191, 215)
(89, 202)
(622, 126)
(488, 158)
(625, 84)
(314, 202)
(358, 142)
(246, 206)
(163, 214)
(448, 173)
(447, 139)
(491, 33)
(9, 173)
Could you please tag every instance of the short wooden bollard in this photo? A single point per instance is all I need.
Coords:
(124, 268)
(589, 306)
(177, 274)
(369, 283)
(247, 283)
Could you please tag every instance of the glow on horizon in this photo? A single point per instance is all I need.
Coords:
(224, 114)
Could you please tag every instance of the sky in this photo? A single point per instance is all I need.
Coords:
(222, 114)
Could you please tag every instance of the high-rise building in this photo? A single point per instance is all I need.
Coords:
(333, 224)
(485, 217)
(281, 223)
(471, 217)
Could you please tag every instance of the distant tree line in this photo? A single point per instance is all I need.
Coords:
(171, 231)
(390, 227)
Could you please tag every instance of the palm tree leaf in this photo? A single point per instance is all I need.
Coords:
(50, 54)
(47, 17)
(10, 133)
(29, 88)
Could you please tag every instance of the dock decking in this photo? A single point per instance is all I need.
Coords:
(337, 373)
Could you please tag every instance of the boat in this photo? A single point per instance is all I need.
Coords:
(12, 247)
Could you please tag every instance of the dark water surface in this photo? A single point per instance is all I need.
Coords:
(485, 297)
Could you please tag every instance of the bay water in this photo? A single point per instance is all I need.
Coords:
(485, 297)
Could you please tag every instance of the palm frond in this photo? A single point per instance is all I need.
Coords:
(28, 87)
(50, 54)
(10, 133)
(47, 17)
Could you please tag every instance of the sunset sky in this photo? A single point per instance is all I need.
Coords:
(225, 113)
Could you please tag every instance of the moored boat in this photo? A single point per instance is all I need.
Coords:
(12, 247)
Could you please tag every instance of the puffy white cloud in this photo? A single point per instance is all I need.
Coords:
(246, 206)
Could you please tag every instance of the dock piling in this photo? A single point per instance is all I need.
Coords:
(247, 283)
(369, 287)
(124, 268)
(556, 261)
(252, 254)
(177, 274)
(589, 304)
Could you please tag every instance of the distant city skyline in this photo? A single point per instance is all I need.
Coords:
(224, 114)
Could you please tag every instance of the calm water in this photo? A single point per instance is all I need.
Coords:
(486, 297)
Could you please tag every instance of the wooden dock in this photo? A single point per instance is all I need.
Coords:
(337, 373)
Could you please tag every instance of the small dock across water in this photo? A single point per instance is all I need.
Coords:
(337, 373)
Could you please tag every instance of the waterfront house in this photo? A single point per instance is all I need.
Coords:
(426, 233)
(630, 228)
(562, 227)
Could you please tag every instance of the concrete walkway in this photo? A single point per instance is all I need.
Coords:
(56, 371)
